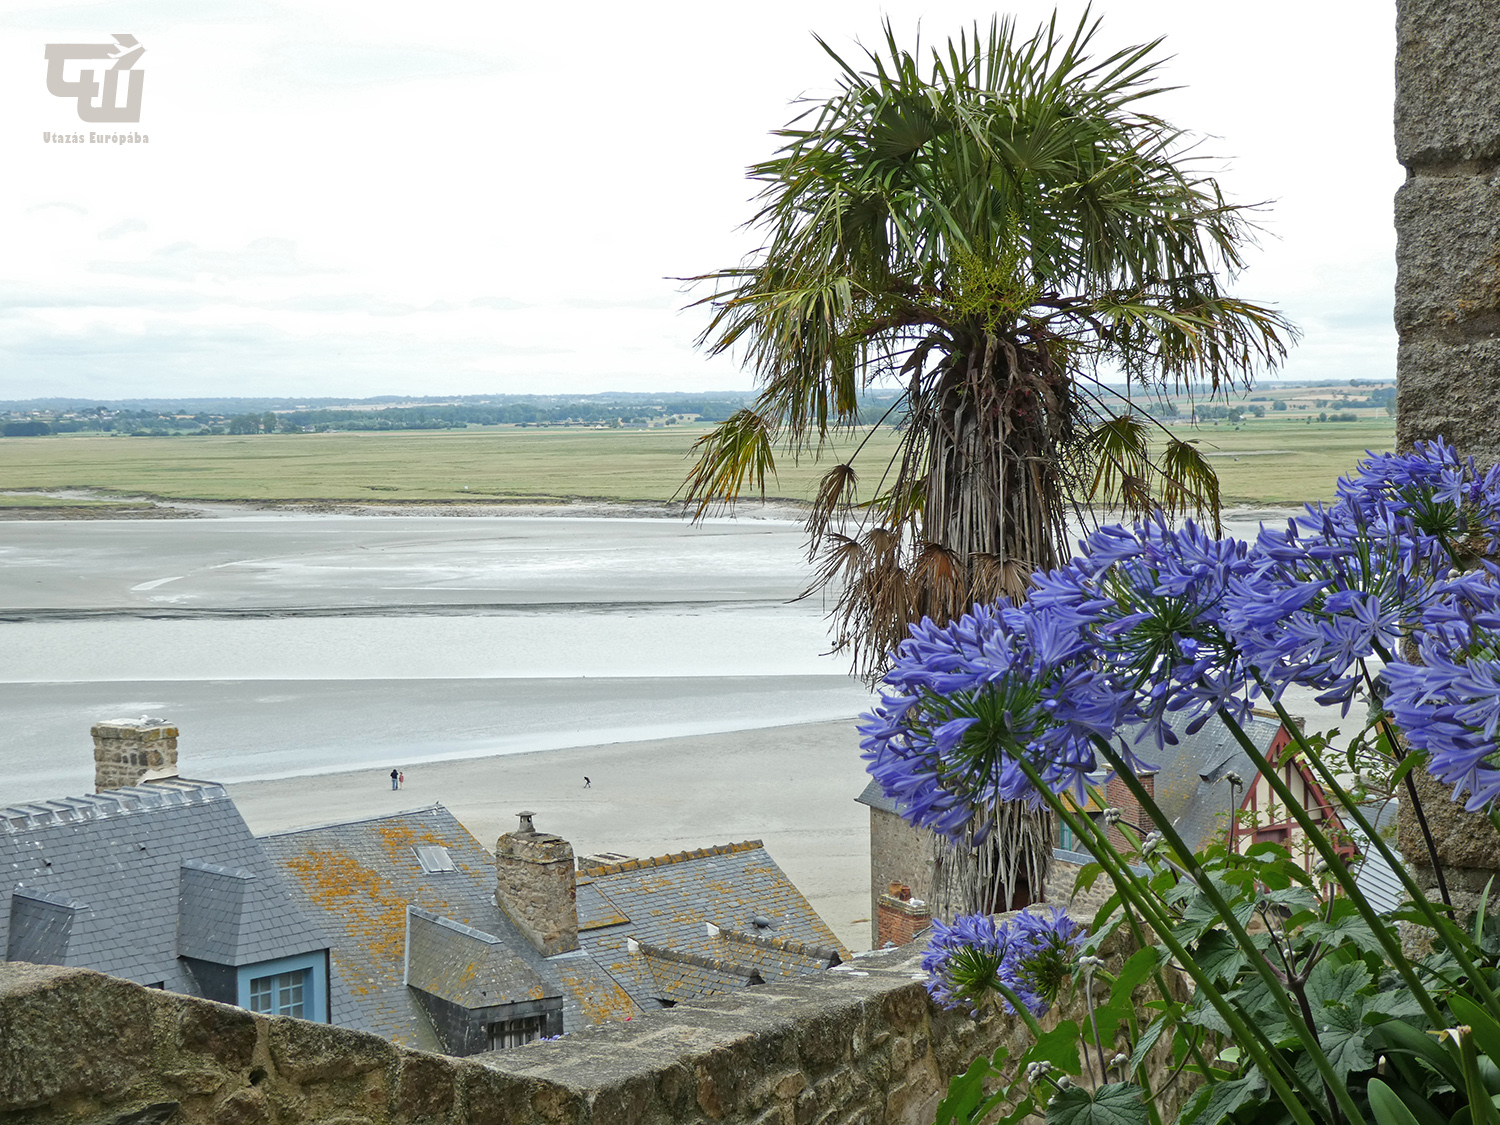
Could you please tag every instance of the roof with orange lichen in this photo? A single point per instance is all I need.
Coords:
(361, 875)
(681, 905)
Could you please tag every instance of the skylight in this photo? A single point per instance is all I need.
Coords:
(433, 858)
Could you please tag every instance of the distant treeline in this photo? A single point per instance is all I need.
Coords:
(144, 418)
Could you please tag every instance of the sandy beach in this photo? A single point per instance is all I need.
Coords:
(792, 787)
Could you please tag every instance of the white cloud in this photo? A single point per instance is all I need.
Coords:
(353, 198)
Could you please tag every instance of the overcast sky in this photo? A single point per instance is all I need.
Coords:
(345, 198)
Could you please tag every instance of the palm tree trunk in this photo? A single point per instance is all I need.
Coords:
(993, 512)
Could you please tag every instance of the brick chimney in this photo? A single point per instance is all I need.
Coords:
(1117, 795)
(130, 751)
(898, 917)
(536, 884)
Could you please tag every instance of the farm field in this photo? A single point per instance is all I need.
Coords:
(1263, 461)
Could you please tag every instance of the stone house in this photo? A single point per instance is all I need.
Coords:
(164, 885)
(400, 925)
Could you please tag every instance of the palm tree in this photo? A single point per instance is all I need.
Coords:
(995, 234)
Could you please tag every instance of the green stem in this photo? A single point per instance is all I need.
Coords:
(1020, 1008)
(1337, 1090)
(1452, 936)
(1125, 882)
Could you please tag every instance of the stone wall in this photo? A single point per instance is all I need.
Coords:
(1448, 224)
(858, 1043)
(899, 853)
(1448, 314)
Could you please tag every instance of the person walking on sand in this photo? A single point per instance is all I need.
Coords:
(587, 784)
(395, 778)
(401, 780)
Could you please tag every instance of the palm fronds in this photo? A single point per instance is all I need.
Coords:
(995, 225)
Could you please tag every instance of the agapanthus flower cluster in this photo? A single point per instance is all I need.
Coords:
(971, 700)
(1337, 589)
(1441, 499)
(1031, 954)
(1155, 629)
(1449, 703)
(1149, 601)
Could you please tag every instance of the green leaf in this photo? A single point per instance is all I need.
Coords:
(1148, 1039)
(1203, 1014)
(1116, 1104)
(1214, 1103)
(1345, 926)
(1220, 957)
(1200, 915)
(1295, 899)
(1397, 1035)
(1331, 983)
(965, 1092)
(1416, 757)
(1486, 1027)
(1387, 1107)
(1058, 1047)
(1345, 1040)
(1398, 1002)
(1086, 876)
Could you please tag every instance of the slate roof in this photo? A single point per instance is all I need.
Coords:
(1190, 785)
(1373, 875)
(97, 882)
(676, 977)
(466, 966)
(361, 875)
(678, 909)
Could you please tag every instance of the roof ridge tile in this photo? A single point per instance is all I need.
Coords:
(674, 857)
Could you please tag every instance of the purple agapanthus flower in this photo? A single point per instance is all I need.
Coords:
(1337, 589)
(1150, 601)
(1449, 704)
(1442, 498)
(967, 701)
(1032, 954)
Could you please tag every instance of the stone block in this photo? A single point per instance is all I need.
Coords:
(1450, 390)
(225, 1034)
(315, 1052)
(425, 1089)
(490, 1098)
(1448, 251)
(1447, 81)
(106, 1021)
(244, 1107)
(1463, 839)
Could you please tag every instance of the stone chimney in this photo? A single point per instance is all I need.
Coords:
(130, 751)
(536, 884)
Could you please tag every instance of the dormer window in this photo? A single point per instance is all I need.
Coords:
(434, 858)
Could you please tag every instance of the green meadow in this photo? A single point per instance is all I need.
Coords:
(1274, 460)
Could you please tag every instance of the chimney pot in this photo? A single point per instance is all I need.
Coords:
(526, 825)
